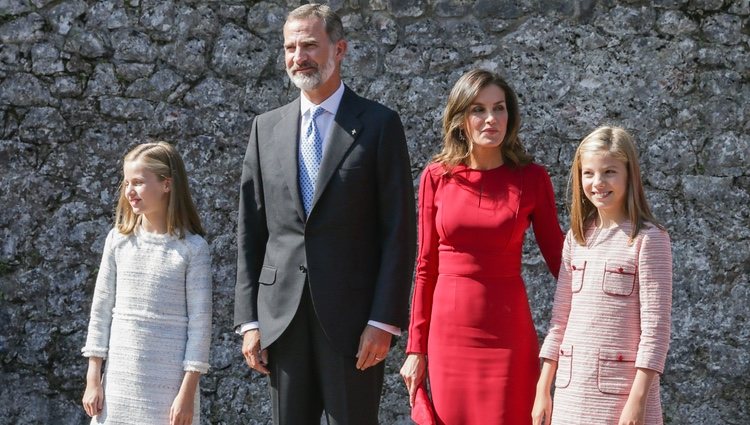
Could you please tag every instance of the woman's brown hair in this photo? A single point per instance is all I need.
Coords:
(456, 145)
(619, 143)
(162, 159)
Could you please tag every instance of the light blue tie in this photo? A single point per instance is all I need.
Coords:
(310, 156)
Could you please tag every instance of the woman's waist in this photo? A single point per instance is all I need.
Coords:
(482, 263)
(128, 314)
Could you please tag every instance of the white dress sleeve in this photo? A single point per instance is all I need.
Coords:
(199, 308)
(97, 340)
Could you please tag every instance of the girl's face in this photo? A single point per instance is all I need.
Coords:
(146, 193)
(487, 121)
(605, 182)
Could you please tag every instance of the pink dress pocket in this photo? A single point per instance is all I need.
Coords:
(577, 272)
(619, 279)
(564, 366)
(616, 371)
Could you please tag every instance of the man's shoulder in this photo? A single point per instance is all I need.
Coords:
(276, 114)
(372, 107)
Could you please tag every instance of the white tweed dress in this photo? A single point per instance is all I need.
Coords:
(151, 322)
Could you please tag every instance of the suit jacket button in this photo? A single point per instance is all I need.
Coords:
(573, 267)
(562, 352)
(302, 269)
(619, 357)
(620, 270)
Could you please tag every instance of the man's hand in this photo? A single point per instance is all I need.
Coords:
(373, 347)
(254, 357)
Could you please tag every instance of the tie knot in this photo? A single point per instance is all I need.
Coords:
(316, 111)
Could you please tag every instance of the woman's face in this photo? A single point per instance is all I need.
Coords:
(605, 183)
(145, 191)
(487, 120)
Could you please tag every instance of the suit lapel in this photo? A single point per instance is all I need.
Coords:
(285, 135)
(346, 127)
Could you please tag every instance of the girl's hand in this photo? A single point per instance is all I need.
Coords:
(93, 398)
(634, 413)
(541, 413)
(181, 412)
(413, 372)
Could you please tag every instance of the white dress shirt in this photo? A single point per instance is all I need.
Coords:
(324, 121)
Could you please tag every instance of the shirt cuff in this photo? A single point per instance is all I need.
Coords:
(247, 327)
(395, 330)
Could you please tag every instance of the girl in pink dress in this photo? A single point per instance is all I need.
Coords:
(609, 335)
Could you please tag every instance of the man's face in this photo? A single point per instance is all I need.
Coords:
(310, 56)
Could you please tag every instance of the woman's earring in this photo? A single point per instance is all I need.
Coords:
(461, 136)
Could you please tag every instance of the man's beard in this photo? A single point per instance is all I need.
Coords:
(310, 81)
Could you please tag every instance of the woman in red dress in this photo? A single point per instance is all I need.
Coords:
(471, 328)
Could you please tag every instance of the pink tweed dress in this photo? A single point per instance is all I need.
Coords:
(611, 315)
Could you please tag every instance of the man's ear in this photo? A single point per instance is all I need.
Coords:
(341, 47)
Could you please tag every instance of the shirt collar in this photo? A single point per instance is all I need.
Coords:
(331, 105)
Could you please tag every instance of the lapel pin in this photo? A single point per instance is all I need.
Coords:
(354, 132)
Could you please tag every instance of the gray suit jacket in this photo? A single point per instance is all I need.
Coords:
(357, 246)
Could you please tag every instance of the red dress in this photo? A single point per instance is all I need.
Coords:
(470, 313)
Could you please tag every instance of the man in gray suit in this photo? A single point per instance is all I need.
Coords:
(326, 236)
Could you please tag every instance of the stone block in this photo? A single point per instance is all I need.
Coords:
(89, 44)
(22, 89)
(63, 16)
(45, 59)
(133, 46)
(155, 88)
(25, 29)
(44, 125)
(125, 108)
(240, 54)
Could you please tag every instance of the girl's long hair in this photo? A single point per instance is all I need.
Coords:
(456, 144)
(162, 159)
(620, 144)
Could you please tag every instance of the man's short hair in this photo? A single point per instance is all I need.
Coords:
(332, 21)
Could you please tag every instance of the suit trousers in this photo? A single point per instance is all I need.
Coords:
(309, 378)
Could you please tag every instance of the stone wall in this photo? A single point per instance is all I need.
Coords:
(83, 81)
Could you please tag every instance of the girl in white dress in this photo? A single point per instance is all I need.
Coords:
(151, 314)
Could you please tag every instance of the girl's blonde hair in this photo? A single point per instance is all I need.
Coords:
(619, 143)
(162, 159)
(456, 145)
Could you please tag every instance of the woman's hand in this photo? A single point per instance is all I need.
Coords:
(413, 372)
(93, 398)
(633, 413)
(541, 413)
(181, 412)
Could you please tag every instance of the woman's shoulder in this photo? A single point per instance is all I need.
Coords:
(435, 169)
(195, 243)
(115, 238)
(653, 231)
(535, 169)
